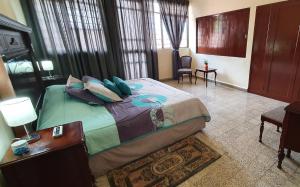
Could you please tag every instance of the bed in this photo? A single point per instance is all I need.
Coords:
(154, 116)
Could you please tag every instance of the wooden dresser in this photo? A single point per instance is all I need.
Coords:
(51, 162)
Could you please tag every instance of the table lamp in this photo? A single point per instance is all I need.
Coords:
(47, 66)
(17, 112)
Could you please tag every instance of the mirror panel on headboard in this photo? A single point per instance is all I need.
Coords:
(19, 63)
(21, 73)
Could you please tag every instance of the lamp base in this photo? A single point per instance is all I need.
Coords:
(33, 137)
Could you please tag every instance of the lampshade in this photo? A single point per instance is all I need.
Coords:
(47, 65)
(18, 111)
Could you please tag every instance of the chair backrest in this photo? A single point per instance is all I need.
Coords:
(185, 62)
(291, 128)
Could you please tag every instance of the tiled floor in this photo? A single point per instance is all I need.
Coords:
(233, 132)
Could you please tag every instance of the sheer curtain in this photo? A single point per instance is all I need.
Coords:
(174, 15)
(74, 36)
(137, 38)
(95, 37)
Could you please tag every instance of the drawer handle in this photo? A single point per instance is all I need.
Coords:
(13, 41)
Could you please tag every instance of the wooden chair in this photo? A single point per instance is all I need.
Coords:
(185, 67)
(290, 132)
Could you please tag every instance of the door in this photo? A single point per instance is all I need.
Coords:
(274, 58)
(259, 71)
(283, 63)
(296, 89)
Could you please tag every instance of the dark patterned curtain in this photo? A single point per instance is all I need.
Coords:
(137, 37)
(174, 15)
(74, 35)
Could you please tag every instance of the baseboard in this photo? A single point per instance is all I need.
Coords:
(224, 84)
(213, 81)
(210, 80)
(166, 79)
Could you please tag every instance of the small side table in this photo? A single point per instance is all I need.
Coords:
(206, 72)
(58, 162)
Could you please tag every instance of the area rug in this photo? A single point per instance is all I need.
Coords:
(168, 166)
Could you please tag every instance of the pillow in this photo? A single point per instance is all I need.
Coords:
(101, 92)
(72, 80)
(86, 78)
(112, 86)
(75, 88)
(122, 85)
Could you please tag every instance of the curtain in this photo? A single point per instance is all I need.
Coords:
(135, 25)
(174, 15)
(100, 38)
(73, 34)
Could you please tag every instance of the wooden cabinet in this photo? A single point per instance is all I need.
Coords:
(223, 34)
(59, 162)
(275, 54)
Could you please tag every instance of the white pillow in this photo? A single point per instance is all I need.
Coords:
(72, 80)
(101, 92)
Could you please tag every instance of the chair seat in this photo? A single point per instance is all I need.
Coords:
(274, 116)
(184, 70)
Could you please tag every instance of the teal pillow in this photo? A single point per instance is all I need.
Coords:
(122, 85)
(78, 85)
(112, 86)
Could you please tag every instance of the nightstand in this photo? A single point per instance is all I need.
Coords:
(56, 79)
(51, 162)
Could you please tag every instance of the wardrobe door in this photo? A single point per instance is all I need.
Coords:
(259, 71)
(283, 63)
(296, 90)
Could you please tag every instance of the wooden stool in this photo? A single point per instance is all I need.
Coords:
(275, 117)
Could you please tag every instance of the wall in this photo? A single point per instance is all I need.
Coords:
(6, 136)
(11, 9)
(231, 70)
(165, 62)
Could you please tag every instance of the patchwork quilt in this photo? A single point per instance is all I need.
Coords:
(153, 106)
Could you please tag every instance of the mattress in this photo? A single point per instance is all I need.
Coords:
(152, 107)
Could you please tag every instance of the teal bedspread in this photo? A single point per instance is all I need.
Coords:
(152, 107)
(99, 125)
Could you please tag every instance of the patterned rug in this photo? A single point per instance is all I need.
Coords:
(168, 166)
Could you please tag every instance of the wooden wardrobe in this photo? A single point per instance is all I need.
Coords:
(275, 64)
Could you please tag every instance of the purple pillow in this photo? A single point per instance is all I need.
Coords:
(84, 95)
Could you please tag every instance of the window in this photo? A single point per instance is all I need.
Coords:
(133, 38)
(162, 38)
(67, 23)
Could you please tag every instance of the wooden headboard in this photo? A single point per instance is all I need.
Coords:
(19, 70)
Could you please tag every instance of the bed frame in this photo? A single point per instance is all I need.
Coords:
(15, 47)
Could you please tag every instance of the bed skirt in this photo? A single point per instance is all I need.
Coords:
(105, 161)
